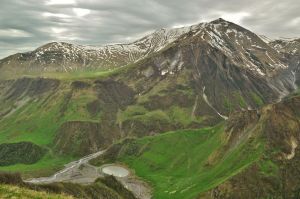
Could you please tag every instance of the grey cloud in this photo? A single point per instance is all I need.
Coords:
(113, 21)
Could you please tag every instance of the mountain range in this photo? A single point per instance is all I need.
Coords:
(216, 91)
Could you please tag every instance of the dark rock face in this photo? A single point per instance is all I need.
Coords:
(84, 137)
(80, 85)
(20, 153)
(80, 138)
(31, 87)
(114, 92)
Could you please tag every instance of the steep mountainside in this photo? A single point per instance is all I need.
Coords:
(214, 80)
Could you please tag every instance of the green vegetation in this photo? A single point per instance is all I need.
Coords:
(130, 112)
(241, 100)
(183, 164)
(48, 165)
(22, 152)
(228, 104)
(79, 74)
(174, 115)
(38, 120)
(12, 186)
(183, 116)
(258, 101)
(268, 168)
(237, 101)
(10, 192)
(294, 94)
(137, 113)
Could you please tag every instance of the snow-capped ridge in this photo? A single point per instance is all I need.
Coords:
(244, 48)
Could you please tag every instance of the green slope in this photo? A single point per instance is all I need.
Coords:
(38, 120)
(183, 164)
(9, 191)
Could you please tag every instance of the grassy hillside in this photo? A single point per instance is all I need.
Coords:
(10, 192)
(277, 173)
(77, 75)
(107, 187)
(183, 164)
(37, 119)
(254, 154)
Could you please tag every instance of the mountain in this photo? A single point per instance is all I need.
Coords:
(192, 77)
(65, 57)
(64, 101)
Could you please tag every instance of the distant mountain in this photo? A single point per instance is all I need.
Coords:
(65, 57)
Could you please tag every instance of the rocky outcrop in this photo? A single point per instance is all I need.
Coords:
(30, 87)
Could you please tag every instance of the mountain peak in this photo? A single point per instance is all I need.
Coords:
(219, 20)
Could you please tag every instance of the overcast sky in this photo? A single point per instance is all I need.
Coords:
(27, 24)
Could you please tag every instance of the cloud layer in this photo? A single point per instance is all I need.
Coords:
(27, 24)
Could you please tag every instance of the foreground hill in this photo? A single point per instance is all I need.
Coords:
(12, 186)
(9, 191)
